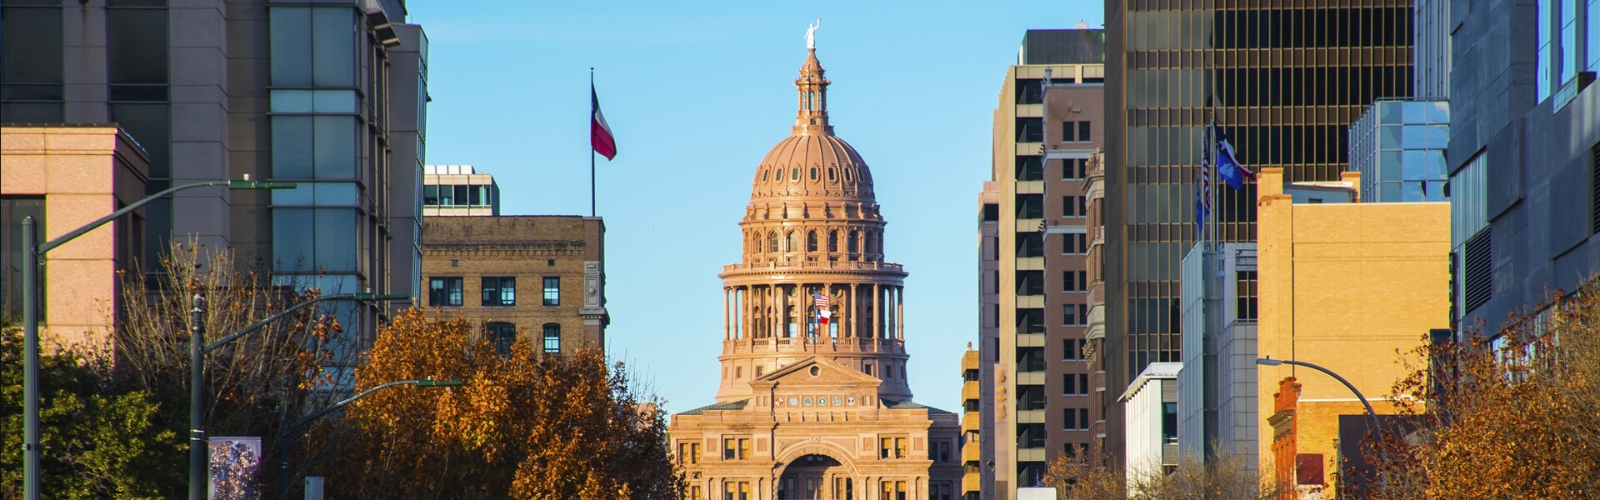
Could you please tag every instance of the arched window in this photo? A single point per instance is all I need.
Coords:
(764, 174)
(833, 241)
(813, 173)
(847, 175)
(855, 244)
(794, 175)
(871, 240)
(772, 242)
(792, 243)
(811, 242)
(755, 243)
(830, 174)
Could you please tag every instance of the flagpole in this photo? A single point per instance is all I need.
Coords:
(591, 147)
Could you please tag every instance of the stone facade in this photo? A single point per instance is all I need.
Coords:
(813, 400)
(68, 176)
(529, 250)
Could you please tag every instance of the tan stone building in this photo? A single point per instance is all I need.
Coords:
(66, 176)
(804, 408)
(542, 276)
(456, 190)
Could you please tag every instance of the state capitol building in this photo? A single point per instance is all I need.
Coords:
(805, 408)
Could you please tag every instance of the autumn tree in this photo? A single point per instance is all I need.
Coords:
(1511, 412)
(525, 425)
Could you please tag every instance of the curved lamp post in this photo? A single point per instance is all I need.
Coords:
(1378, 424)
(291, 432)
(32, 254)
(197, 352)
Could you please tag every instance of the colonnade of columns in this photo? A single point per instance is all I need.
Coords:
(781, 311)
(832, 486)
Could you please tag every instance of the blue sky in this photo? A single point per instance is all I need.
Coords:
(696, 93)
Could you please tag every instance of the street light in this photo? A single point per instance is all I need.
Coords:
(285, 438)
(198, 349)
(1378, 424)
(32, 254)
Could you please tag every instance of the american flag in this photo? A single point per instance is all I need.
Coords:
(821, 300)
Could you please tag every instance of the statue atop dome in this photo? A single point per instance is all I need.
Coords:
(811, 37)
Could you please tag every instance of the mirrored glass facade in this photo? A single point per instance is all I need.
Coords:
(1283, 78)
(1398, 147)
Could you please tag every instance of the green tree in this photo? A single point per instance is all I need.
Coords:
(96, 443)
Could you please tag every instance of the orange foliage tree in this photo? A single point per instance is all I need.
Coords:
(525, 425)
(1509, 413)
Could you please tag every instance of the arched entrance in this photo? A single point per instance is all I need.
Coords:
(816, 477)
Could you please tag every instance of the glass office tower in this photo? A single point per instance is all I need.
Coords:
(1283, 79)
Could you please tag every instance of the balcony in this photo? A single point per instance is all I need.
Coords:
(1030, 263)
(1030, 417)
(1030, 301)
(818, 265)
(971, 482)
(1030, 187)
(1030, 455)
(969, 390)
(1029, 225)
(1030, 378)
(972, 424)
(1030, 340)
(971, 452)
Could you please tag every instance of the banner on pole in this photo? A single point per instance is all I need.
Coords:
(235, 468)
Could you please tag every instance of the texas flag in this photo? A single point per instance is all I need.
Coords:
(599, 132)
(1228, 166)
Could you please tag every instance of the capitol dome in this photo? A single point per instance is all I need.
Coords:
(812, 162)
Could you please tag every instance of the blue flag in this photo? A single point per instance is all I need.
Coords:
(1200, 213)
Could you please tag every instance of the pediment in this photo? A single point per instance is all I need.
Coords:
(816, 371)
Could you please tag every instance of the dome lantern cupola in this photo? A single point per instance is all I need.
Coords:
(812, 119)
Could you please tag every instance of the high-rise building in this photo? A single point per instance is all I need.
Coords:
(988, 336)
(1524, 155)
(1283, 78)
(536, 275)
(813, 399)
(331, 95)
(1044, 134)
(456, 190)
(971, 424)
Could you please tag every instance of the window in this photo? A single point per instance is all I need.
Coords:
(854, 242)
(1083, 132)
(1030, 206)
(689, 453)
(894, 490)
(552, 338)
(499, 291)
(1245, 288)
(430, 195)
(1072, 349)
(1074, 243)
(736, 448)
(1075, 384)
(892, 447)
(1074, 314)
(1074, 281)
(1030, 359)
(833, 241)
(1030, 129)
(552, 291)
(943, 450)
(1083, 419)
(737, 490)
(1030, 245)
(502, 335)
(1030, 168)
(811, 241)
(444, 292)
(1069, 419)
(1074, 168)
(1169, 423)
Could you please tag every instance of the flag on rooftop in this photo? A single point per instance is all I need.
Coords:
(600, 137)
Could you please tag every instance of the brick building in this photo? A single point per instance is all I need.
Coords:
(541, 275)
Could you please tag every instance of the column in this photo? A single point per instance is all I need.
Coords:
(900, 311)
(850, 300)
(727, 331)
